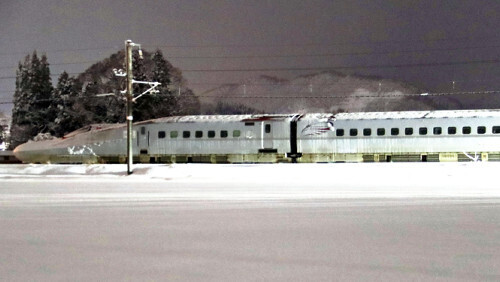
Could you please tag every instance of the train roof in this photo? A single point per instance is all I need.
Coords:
(418, 114)
(231, 118)
(94, 128)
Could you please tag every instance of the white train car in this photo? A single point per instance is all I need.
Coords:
(344, 137)
(406, 136)
(90, 144)
(209, 139)
(214, 139)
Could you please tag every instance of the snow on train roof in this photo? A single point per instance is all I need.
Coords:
(94, 128)
(419, 114)
(227, 118)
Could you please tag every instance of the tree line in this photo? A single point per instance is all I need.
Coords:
(40, 107)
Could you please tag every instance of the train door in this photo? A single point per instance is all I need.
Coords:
(143, 140)
(267, 135)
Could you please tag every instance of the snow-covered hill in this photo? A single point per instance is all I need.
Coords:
(321, 92)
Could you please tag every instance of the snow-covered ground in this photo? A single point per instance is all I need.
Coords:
(281, 222)
(265, 181)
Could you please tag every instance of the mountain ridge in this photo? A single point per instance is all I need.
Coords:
(327, 91)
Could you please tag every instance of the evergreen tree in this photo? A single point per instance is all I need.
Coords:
(165, 100)
(22, 101)
(95, 108)
(41, 93)
(32, 98)
(61, 108)
(100, 78)
(141, 108)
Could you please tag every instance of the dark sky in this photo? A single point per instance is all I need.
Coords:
(426, 43)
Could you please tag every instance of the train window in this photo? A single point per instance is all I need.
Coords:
(198, 134)
(496, 129)
(223, 133)
(211, 134)
(437, 130)
(452, 130)
(353, 132)
(380, 131)
(409, 131)
(481, 130)
(394, 131)
(249, 123)
(367, 132)
(174, 134)
(466, 130)
(186, 134)
(161, 134)
(143, 130)
(268, 128)
(339, 132)
(236, 133)
(422, 131)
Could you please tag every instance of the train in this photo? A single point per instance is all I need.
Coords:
(411, 136)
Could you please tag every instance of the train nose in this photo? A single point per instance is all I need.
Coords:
(20, 152)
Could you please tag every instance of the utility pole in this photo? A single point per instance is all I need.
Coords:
(129, 96)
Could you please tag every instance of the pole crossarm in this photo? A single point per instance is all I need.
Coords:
(151, 89)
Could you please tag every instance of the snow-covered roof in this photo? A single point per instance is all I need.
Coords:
(216, 118)
(464, 113)
(419, 114)
(94, 128)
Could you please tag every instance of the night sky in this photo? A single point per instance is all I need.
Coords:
(429, 44)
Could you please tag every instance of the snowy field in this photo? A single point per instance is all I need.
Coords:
(281, 222)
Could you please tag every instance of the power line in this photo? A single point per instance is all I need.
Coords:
(395, 52)
(60, 50)
(344, 96)
(53, 74)
(336, 54)
(59, 64)
(118, 47)
(492, 61)
(332, 68)
(355, 96)
(456, 39)
(297, 55)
